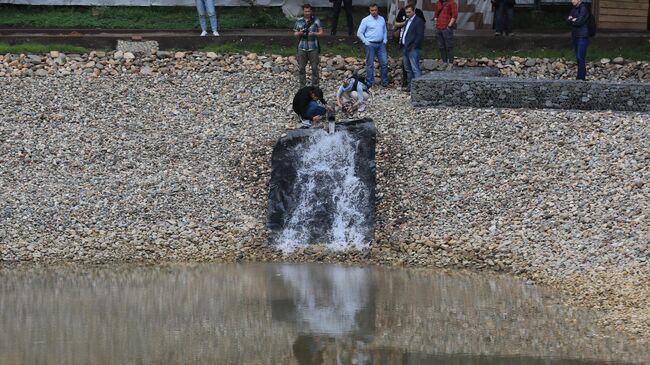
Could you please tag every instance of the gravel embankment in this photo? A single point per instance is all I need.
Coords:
(174, 165)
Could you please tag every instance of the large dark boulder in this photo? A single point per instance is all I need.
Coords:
(322, 187)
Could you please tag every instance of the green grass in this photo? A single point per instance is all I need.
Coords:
(124, 17)
(37, 48)
(255, 47)
(548, 19)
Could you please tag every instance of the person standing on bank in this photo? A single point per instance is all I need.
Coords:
(445, 15)
(411, 43)
(348, 15)
(578, 20)
(400, 21)
(374, 35)
(307, 30)
(504, 11)
(203, 6)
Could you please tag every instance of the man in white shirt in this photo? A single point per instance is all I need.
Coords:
(374, 35)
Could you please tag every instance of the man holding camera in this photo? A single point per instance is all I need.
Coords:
(307, 30)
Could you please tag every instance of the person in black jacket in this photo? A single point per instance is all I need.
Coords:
(400, 22)
(310, 105)
(410, 42)
(503, 13)
(578, 18)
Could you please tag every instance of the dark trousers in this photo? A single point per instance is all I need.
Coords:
(503, 16)
(580, 47)
(348, 15)
(314, 60)
(445, 40)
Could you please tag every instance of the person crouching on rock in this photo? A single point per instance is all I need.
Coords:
(354, 88)
(310, 105)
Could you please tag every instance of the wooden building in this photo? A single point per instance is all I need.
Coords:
(629, 15)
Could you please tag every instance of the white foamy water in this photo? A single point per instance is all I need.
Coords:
(327, 186)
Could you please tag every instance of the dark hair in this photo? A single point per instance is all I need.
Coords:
(306, 6)
(373, 5)
(318, 92)
(409, 6)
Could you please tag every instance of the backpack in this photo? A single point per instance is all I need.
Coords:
(591, 24)
(360, 79)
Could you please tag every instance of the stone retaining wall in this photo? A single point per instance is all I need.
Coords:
(481, 87)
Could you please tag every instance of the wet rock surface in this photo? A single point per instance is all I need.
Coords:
(173, 164)
(346, 181)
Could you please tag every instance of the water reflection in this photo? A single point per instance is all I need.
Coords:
(333, 300)
(288, 314)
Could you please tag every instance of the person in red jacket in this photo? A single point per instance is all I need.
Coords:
(445, 16)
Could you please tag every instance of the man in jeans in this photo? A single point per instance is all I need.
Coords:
(374, 35)
(400, 22)
(503, 14)
(578, 20)
(307, 29)
(410, 42)
(446, 13)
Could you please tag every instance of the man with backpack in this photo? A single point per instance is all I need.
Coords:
(579, 19)
(356, 87)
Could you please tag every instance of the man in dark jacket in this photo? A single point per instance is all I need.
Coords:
(578, 20)
(400, 22)
(410, 42)
(310, 105)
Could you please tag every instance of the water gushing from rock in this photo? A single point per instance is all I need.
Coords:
(330, 196)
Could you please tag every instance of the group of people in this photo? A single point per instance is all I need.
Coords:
(373, 33)
(309, 103)
(409, 33)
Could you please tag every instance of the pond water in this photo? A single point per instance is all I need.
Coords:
(288, 314)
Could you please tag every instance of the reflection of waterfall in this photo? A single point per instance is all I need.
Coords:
(332, 300)
(330, 197)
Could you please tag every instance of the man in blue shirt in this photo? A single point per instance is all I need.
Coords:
(374, 35)
(307, 29)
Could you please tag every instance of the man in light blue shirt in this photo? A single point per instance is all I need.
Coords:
(374, 35)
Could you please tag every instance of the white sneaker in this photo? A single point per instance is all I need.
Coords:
(204, 33)
(215, 33)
